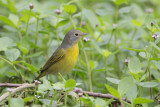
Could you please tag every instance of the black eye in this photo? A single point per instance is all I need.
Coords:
(76, 34)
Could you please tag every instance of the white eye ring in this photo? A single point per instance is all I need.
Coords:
(76, 34)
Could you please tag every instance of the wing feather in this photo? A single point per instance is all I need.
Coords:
(57, 55)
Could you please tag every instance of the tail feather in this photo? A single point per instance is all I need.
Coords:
(40, 75)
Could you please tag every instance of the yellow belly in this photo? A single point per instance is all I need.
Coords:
(67, 63)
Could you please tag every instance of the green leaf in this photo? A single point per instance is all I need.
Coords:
(87, 100)
(156, 75)
(12, 74)
(155, 46)
(100, 102)
(28, 99)
(125, 85)
(157, 40)
(138, 50)
(156, 25)
(31, 67)
(5, 42)
(17, 62)
(12, 54)
(58, 86)
(91, 17)
(11, 6)
(34, 54)
(71, 83)
(113, 80)
(23, 49)
(108, 102)
(70, 9)
(157, 64)
(149, 18)
(157, 59)
(25, 44)
(81, 29)
(106, 53)
(43, 32)
(136, 23)
(113, 91)
(136, 76)
(119, 2)
(24, 18)
(155, 106)
(45, 101)
(125, 9)
(62, 23)
(142, 54)
(93, 64)
(134, 65)
(132, 93)
(27, 15)
(45, 86)
(148, 84)
(96, 46)
(17, 102)
(14, 19)
(141, 100)
(7, 21)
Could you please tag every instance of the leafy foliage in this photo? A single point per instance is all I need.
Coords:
(121, 57)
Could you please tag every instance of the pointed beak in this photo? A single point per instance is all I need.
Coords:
(85, 33)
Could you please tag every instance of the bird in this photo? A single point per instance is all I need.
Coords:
(65, 57)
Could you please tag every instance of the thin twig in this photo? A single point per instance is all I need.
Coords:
(108, 96)
(22, 87)
(10, 85)
(26, 85)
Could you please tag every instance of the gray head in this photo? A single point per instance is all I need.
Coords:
(72, 37)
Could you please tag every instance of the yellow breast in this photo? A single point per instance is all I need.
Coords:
(67, 63)
(71, 58)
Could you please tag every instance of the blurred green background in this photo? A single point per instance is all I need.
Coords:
(120, 42)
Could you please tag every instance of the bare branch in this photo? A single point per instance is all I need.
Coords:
(26, 85)
(22, 87)
(107, 96)
(9, 85)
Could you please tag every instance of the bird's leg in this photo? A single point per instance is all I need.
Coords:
(46, 75)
